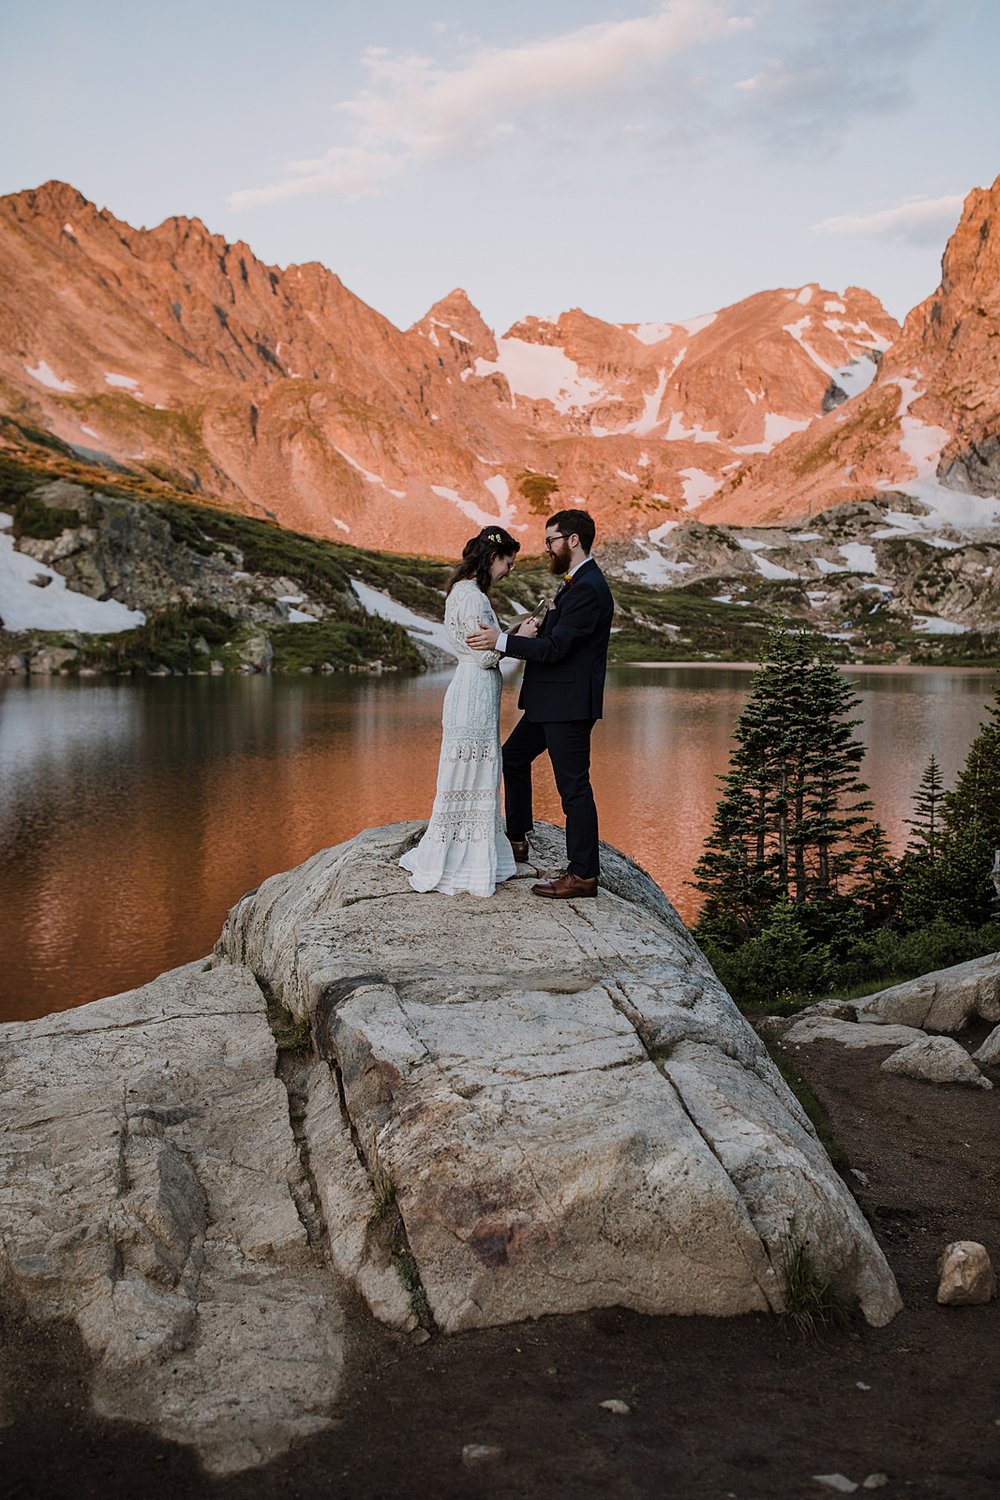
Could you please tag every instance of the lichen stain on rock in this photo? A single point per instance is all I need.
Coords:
(495, 1245)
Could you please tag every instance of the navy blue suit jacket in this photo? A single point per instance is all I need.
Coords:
(566, 663)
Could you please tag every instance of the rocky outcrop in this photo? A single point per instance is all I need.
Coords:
(944, 1001)
(936, 1059)
(148, 1176)
(989, 1052)
(183, 571)
(569, 1107)
(469, 1112)
(901, 1017)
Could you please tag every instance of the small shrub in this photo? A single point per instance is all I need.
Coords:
(383, 1193)
(538, 490)
(290, 1035)
(811, 1301)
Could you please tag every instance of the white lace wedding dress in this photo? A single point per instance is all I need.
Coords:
(465, 847)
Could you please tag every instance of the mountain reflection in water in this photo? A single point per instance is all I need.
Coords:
(134, 813)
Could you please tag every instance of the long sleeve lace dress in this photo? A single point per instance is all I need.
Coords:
(465, 847)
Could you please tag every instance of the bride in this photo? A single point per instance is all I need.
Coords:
(465, 847)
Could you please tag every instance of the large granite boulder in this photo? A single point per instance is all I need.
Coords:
(146, 1175)
(569, 1108)
(488, 1111)
(944, 1001)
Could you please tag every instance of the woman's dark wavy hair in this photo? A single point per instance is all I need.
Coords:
(479, 552)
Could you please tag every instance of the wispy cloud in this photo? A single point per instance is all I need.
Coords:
(916, 221)
(835, 64)
(413, 108)
(794, 76)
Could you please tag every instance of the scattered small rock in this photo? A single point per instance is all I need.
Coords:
(419, 1336)
(966, 1274)
(474, 1454)
(838, 1482)
(861, 1385)
(861, 1176)
(619, 1408)
(875, 1482)
(936, 1059)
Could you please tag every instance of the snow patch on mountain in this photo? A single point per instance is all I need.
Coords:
(653, 567)
(650, 333)
(697, 486)
(770, 569)
(542, 372)
(650, 418)
(695, 325)
(797, 331)
(47, 377)
(935, 625)
(500, 490)
(367, 473)
(471, 509)
(855, 377)
(678, 433)
(859, 558)
(34, 596)
(776, 429)
(387, 608)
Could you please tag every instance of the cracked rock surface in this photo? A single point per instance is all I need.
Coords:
(145, 1167)
(509, 1108)
(569, 1108)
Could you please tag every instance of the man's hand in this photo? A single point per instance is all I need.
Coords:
(528, 627)
(483, 639)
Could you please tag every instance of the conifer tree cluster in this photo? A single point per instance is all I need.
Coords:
(792, 824)
(801, 892)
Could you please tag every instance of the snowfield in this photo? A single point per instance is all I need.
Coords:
(34, 596)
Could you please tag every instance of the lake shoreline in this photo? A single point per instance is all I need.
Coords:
(134, 812)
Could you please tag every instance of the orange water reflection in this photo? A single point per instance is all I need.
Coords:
(132, 815)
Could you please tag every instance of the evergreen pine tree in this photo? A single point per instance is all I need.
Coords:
(928, 802)
(788, 826)
(946, 869)
(972, 829)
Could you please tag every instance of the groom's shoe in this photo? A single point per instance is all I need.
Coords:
(566, 887)
(520, 849)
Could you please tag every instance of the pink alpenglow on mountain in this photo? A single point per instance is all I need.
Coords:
(278, 393)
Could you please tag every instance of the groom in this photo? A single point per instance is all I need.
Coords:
(562, 697)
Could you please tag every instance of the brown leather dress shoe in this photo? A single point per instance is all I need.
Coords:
(566, 887)
(520, 848)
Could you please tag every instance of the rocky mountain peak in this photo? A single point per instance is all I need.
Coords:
(281, 391)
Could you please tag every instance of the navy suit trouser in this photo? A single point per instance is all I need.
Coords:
(568, 746)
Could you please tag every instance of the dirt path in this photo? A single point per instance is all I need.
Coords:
(742, 1408)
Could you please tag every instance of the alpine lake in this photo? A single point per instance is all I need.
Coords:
(134, 812)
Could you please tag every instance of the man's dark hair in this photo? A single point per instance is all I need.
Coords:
(579, 521)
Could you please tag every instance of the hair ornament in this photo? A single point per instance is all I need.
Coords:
(494, 536)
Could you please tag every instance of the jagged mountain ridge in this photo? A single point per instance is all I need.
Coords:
(927, 428)
(278, 391)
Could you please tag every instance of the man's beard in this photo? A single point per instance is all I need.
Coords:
(559, 563)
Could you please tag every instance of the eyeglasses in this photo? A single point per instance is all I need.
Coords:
(550, 541)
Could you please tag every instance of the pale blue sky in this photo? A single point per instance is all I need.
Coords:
(645, 161)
